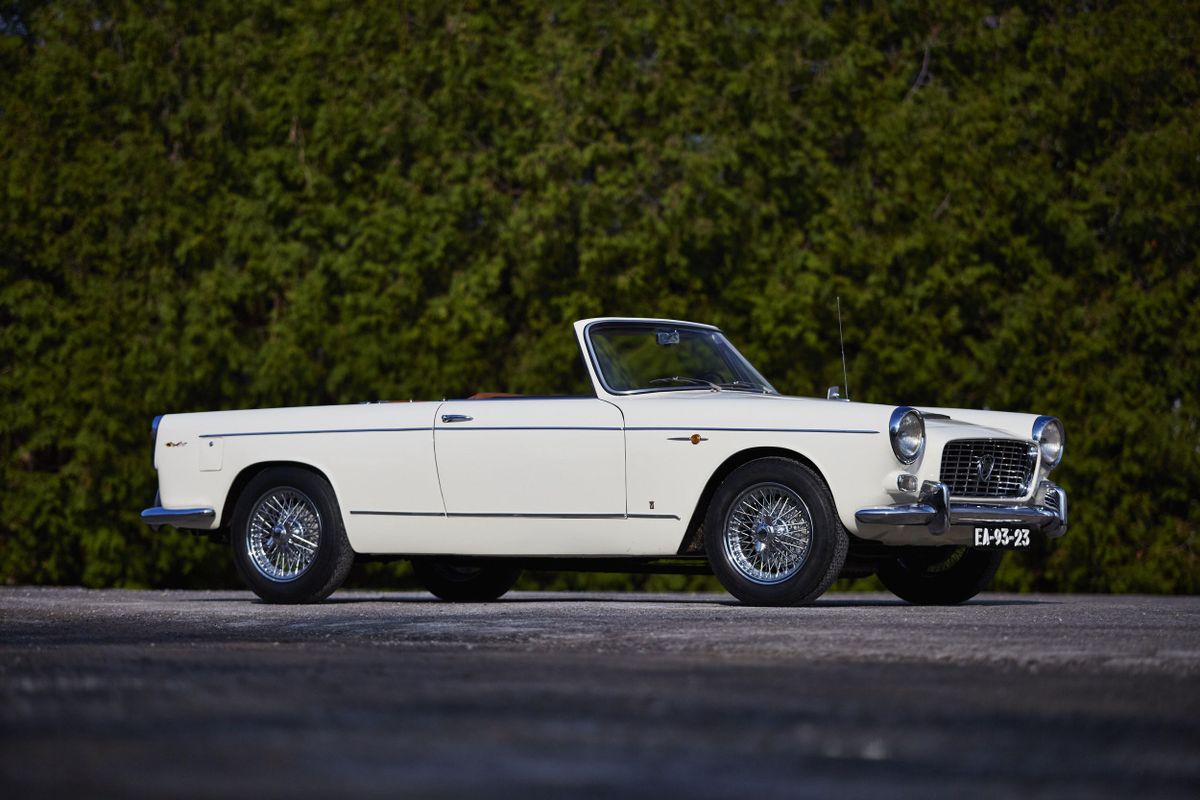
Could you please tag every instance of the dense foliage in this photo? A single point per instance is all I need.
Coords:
(230, 204)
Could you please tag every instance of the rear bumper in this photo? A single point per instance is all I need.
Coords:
(195, 518)
(935, 512)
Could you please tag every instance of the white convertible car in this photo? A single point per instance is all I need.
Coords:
(682, 458)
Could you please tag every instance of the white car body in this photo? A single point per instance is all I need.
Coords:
(614, 475)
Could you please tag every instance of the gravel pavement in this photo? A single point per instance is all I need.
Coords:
(203, 694)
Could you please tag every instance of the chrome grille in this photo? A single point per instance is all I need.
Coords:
(1012, 464)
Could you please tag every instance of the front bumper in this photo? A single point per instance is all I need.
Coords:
(935, 512)
(195, 518)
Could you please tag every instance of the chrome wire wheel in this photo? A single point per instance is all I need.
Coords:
(768, 533)
(283, 534)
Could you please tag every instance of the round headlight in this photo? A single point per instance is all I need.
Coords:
(907, 428)
(1048, 433)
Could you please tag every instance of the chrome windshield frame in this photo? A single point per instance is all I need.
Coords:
(650, 323)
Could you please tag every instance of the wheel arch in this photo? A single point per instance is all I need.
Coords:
(693, 537)
(249, 473)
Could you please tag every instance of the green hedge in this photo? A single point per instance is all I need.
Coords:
(231, 204)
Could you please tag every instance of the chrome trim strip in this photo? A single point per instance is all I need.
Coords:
(298, 433)
(531, 428)
(521, 515)
(179, 517)
(401, 513)
(439, 429)
(757, 430)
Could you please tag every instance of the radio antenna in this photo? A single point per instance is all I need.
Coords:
(842, 343)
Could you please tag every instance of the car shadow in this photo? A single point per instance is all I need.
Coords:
(870, 602)
(633, 599)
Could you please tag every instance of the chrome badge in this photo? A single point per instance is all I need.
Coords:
(984, 467)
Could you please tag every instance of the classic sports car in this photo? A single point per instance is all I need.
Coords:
(682, 458)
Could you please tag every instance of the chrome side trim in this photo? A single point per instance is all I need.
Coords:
(199, 518)
(505, 514)
(533, 515)
(757, 430)
(528, 427)
(439, 429)
(401, 513)
(298, 433)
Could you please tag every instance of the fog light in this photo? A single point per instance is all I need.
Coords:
(906, 482)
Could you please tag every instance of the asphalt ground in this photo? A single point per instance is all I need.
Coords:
(196, 694)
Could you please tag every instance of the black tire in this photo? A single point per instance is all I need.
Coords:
(475, 583)
(940, 576)
(316, 518)
(811, 565)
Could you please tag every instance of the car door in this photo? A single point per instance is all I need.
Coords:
(539, 458)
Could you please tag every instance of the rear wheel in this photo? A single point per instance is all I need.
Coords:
(465, 583)
(771, 534)
(939, 576)
(289, 544)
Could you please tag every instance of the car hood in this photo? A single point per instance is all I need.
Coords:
(749, 410)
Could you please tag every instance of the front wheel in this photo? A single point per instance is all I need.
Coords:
(463, 583)
(289, 544)
(940, 576)
(771, 534)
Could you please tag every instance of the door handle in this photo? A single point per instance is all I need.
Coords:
(456, 418)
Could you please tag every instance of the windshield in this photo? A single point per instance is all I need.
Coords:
(647, 357)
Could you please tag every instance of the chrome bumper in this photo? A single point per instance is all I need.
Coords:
(933, 510)
(198, 518)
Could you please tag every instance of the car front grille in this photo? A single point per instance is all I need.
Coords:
(965, 467)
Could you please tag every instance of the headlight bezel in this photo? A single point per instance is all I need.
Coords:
(154, 435)
(901, 420)
(1044, 431)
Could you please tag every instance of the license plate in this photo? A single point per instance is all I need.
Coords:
(1002, 537)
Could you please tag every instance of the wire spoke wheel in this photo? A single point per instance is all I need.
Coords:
(767, 533)
(283, 534)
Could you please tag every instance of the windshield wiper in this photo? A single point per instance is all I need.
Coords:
(686, 379)
(745, 386)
